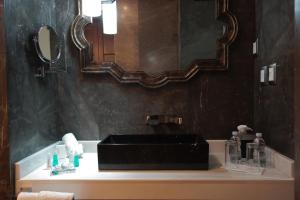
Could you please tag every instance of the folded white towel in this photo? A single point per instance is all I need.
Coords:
(47, 195)
(28, 196)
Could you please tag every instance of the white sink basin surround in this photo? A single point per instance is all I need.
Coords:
(216, 183)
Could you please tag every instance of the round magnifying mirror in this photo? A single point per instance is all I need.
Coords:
(48, 47)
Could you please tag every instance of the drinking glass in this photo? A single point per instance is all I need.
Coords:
(252, 155)
(231, 154)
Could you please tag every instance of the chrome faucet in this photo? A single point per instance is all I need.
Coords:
(154, 120)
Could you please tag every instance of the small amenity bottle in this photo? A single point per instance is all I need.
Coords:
(261, 154)
(76, 160)
(55, 159)
(232, 151)
(236, 139)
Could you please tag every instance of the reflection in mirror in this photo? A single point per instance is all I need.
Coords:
(157, 41)
(199, 30)
(156, 36)
(49, 49)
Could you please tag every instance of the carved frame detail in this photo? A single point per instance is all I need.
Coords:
(154, 81)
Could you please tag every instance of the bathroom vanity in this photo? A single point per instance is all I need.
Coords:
(88, 182)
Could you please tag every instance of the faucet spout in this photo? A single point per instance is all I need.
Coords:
(154, 120)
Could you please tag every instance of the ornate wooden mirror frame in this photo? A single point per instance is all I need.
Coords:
(158, 80)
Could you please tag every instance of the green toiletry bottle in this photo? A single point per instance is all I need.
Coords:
(76, 160)
(55, 160)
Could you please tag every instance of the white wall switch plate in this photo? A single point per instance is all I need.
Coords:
(255, 47)
(272, 73)
(264, 75)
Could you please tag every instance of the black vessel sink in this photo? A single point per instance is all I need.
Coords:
(150, 152)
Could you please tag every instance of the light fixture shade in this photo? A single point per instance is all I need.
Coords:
(91, 8)
(110, 18)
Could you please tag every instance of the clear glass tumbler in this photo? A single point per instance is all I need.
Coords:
(252, 155)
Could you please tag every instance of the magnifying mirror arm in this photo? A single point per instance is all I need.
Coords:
(40, 72)
(43, 70)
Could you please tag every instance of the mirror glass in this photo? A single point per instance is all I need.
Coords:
(199, 30)
(48, 44)
(156, 36)
(154, 42)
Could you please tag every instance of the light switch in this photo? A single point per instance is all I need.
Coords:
(255, 47)
(264, 75)
(272, 73)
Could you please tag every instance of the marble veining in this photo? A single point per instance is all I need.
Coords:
(32, 103)
(273, 105)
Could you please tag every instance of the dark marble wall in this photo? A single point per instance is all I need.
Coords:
(41, 111)
(273, 110)
(211, 104)
(33, 103)
(220, 101)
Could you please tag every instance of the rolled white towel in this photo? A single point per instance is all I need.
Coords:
(47, 195)
(28, 196)
(70, 141)
(72, 144)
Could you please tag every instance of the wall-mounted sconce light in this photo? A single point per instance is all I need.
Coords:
(110, 18)
(106, 8)
(92, 8)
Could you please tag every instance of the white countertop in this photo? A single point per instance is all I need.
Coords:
(88, 170)
(216, 183)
